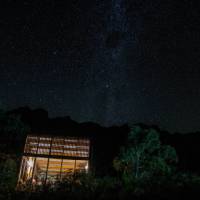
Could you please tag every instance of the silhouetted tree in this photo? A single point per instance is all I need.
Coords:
(12, 132)
(8, 177)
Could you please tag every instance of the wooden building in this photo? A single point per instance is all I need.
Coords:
(47, 159)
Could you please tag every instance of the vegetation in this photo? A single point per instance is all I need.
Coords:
(144, 159)
(12, 133)
(144, 168)
(8, 177)
(144, 156)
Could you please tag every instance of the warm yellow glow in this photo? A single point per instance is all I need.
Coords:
(30, 163)
(86, 167)
(48, 159)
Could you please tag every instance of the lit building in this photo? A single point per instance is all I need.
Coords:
(47, 159)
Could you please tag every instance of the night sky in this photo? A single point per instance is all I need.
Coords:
(106, 61)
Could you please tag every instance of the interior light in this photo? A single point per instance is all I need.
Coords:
(30, 163)
(86, 166)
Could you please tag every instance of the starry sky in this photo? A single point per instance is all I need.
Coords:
(108, 61)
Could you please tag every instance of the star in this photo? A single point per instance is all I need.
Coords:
(107, 85)
(55, 52)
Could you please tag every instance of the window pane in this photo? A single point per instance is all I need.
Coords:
(26, 170)
(76, 148)
(67, 167)
(57, 146)
(81, 166)
(44, 145)
(40, 169)
(31, 144)
(54, 170)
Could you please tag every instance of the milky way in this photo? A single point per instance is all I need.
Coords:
(108, 61)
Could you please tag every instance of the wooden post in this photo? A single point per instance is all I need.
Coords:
(48, 161)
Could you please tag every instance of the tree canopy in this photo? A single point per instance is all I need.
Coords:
(144, 156)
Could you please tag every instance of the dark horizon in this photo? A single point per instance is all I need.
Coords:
(40, 115)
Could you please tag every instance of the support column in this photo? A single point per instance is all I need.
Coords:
(48, 162)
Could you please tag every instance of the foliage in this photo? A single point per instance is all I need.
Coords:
(12, 136)
(12, 132)
(87, 186)
(144, 157)
(145, 170)
(8, 177)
